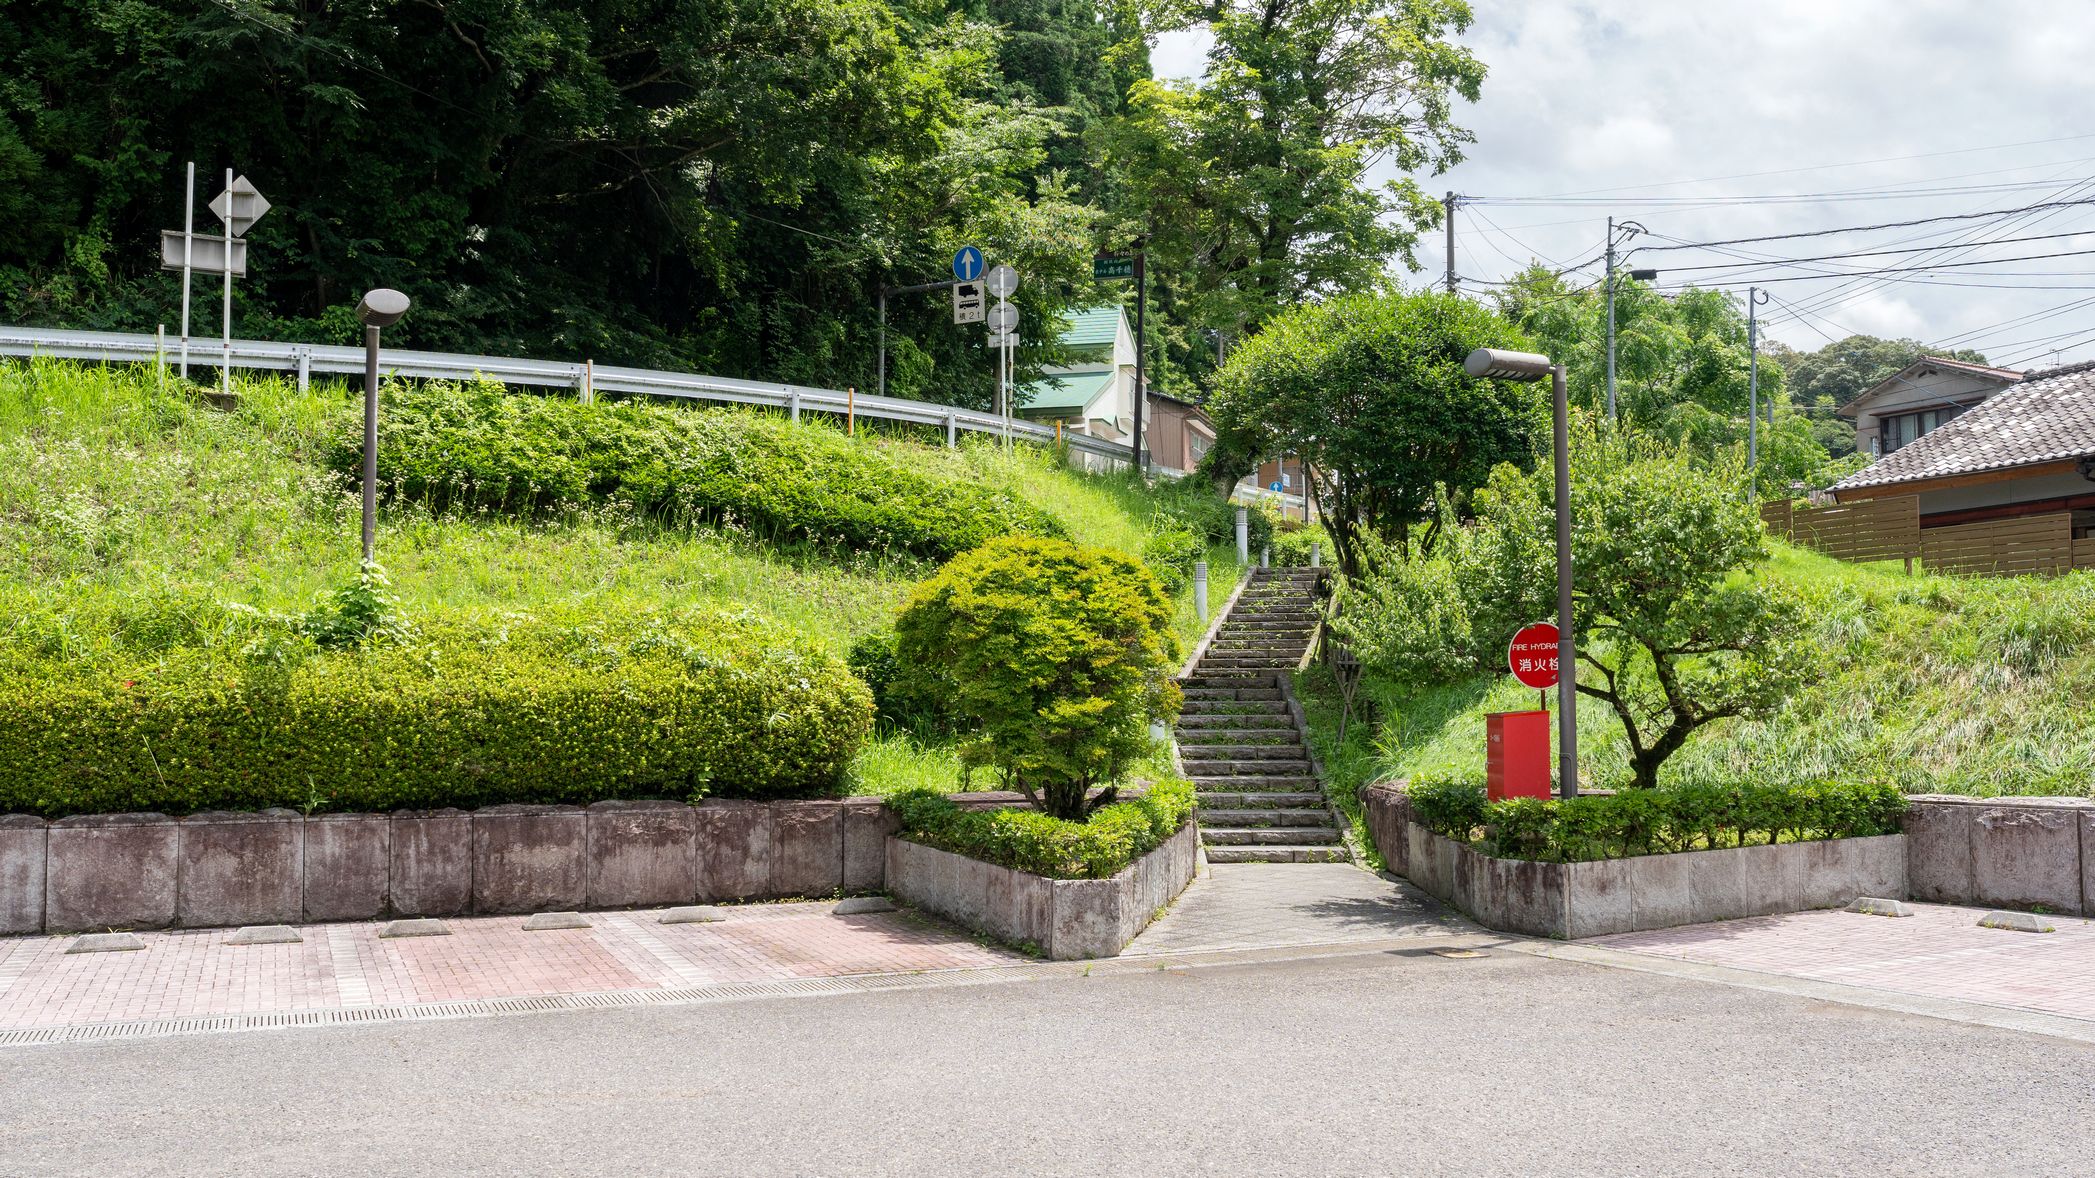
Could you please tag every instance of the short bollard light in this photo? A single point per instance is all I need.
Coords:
(1265, 557)
(1243, 535)
(1316, 554)
(1200, 589)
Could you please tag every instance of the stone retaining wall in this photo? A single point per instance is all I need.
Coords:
(1067, 919)
(2003, 852)
(142, 871)
(1573, 900)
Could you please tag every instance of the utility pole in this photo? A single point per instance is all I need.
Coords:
(1629, 229)
(1141, 342)
(1611, 320)
(1752, 378)
(1448, 217)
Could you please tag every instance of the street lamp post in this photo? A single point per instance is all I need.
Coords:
(1504, 365)
(379, 309)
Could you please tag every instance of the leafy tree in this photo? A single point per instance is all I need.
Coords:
(1370, 391)
(1252, 182)
(1058, 655)
(1674, 634)
(1844, 369)
(718, 184)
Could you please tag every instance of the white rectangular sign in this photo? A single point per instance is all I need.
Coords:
(967, 302)
(210, 255)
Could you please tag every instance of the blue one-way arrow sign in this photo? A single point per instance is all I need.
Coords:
(967, 264)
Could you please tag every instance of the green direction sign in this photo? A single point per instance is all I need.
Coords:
(1113, 266)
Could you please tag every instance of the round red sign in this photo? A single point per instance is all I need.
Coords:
(1533, 656)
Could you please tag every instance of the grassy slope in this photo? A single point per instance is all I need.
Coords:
(1935, 684)
(111, 510)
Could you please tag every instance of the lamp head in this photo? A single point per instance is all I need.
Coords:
(381, 308)
(1644, 275)
(1504, 365)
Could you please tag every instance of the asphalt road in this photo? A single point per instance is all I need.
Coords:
(1391, 1063)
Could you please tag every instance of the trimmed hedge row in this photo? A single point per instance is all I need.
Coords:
(1652, 821)
(668, 708)
(1030, 841)
(477, 445)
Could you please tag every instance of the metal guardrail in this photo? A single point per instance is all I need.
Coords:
(307, 359)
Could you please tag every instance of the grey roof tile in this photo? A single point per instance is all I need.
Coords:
(2048, 417)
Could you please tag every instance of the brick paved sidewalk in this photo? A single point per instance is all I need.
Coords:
(1265, 905)
(1939, 952)
(194, 972)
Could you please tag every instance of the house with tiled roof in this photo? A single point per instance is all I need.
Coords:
(2026, 450)
(1919, 399)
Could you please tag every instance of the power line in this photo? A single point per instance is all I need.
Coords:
(2051, 204)
(1890, 159)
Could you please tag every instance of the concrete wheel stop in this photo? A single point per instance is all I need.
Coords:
(692, 914)
(1879, 906)
(545, 922)
(861, 905)
(264, 934)
(2018, 922)
(415, 928)
(107, 943)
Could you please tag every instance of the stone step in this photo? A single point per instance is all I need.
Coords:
(1244, 662)
(1238, 722)
(1204, 692)
(1267, 836)
(1219, 739)
(1205, 770)
(1301, 799)
(1238, 625)
(1232, 709)
(1327, 853)
(1300, 816)
(1252, 782)
(1290, 751)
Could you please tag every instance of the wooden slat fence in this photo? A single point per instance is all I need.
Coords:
(1874, 529)
(2084, 554)
(2004, 547)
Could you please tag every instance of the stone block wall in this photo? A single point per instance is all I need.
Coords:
(141, 871)
(2003, 852)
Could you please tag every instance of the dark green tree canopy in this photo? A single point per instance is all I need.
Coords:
(1370, 391)
(1844, 369)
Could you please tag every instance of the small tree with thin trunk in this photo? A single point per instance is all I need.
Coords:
(1674, 632)
(1057, 656)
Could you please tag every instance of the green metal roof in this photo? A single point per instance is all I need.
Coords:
(1064, 392)
(1093, 327)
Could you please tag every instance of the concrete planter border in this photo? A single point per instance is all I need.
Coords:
(1067, 919)
(1575, 900)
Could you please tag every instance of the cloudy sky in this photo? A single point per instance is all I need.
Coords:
(1687, 115)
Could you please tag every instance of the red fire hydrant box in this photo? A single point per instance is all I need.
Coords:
(1516, 755)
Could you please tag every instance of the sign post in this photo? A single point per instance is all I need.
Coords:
(1517, 752)
(1003, 335)
(239, 206)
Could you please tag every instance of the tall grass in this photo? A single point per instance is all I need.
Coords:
(1978, 686)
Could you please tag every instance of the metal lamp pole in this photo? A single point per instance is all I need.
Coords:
(1504, 365)
(379, 309)
(1755, 297)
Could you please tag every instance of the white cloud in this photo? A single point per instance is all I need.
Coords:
(1640, 97)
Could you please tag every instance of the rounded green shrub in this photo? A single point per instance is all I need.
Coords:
(1057, 656)
(674, 707)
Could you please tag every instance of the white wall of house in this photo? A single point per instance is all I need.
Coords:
(2004, 493)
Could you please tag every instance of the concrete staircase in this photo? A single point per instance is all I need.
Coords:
(1259, 800)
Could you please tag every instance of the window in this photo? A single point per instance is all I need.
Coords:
(1909, 427)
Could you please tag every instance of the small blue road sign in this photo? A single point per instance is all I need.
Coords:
(967, 264)
(1276, 485)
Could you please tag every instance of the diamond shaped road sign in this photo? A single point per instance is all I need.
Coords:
(240, 206)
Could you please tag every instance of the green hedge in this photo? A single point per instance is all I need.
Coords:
(1652, 821)
(1030, 841)
(466, 716)
(478, 446)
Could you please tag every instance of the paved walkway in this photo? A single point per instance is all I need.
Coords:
(1938, 952)
(186, 973)
(1264, 905)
